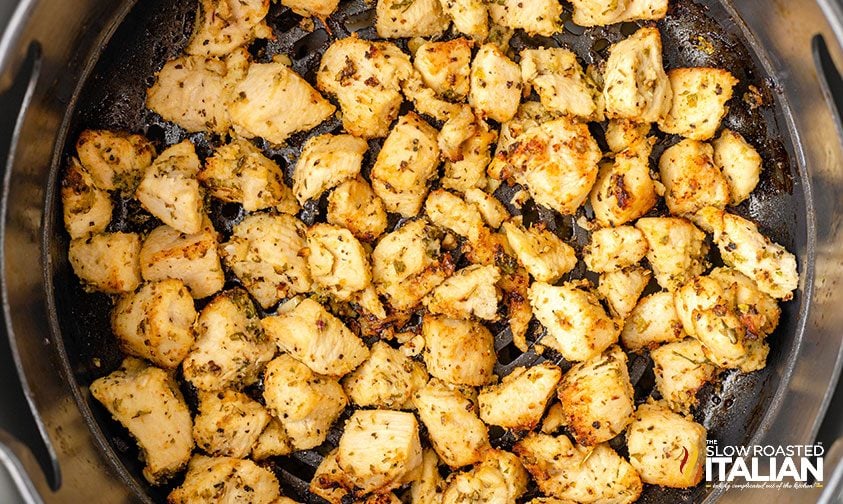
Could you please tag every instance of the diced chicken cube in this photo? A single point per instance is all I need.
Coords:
(621, 134)
(193, 259)
(107, 262)
(536, 17)
(681, 370)
(471, 291)
(577, 325)
(542, 253)
(318, 8)
(114, 160)
(599, 13)
(86, 208)
(147, 401)
(495, 84)
(265, 252)
(492, 210)
(272, 442)
(677, 249)
(469, 172)
(622, 288)
(529, 115)
(445, 67)
(740, 163)
(458, 351)
(488, 482)
(699, 101)
(519, 400)
(226, 480)
(228, 423)
(635, 84)
(447, 210)
(691, 179)
(624, 190)
(387, 379)
(224, 25)
(612, 249)
(327, 161)
(427, 488)
(470, 17)
(338, 262)
(410, 18)
(560, 81)
(652, 322)
(329, 481)
(355, 206)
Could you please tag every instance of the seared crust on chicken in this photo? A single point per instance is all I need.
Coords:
(107, 262)
(193, 259)
(227, 480)
(85, 207)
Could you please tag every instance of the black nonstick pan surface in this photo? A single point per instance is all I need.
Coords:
(694, 34)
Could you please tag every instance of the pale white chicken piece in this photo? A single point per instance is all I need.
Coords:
(635, 84)
(305, 403)
(624, 190)
(536, 17)
(265, 252)
(147, 401)
(355, 206)
(379, 449)
(677, 249)
(387, 379)
(681, 370)
(495, 84)
(406, 162)
(410, 18)
(225, 25)
(488, 482)
(407, 264)
(329, 481)
(307, 8)
(231, 349)
(193, 259)
(612, 249)
(622, 288)
(659, 438)
(107, 262)
(325, 162)
(457, 434)
(602, 13)
(194, 91)
(155, 322)
(691, 179)
(238, 172)
(460, 125)
(272, 102)
(621, 134)
(560, 81)
(115, 160)
(470, 17)
(492, 210)
(651, 323)
(461, 352)
(366, 79)
(519, 400)
(469, 173)
(513, 471)
(469, 292)
(170, 189)
(577, 325)
(272, 442)
(449, 211)
(428, 487)
(597, 398)
(228, 423)
(740, 163)
(312, 335)
(226, 480)
(338, 262)
(543, 254)
(86, 209)
(581, 474)
(699, 101)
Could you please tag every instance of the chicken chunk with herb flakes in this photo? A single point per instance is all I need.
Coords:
(449, 211)
(658, 438)
(147, 401)
(339, 264)
(410, 18)
(560, 82)
(170, 190)
(495, 84)
(691, 179)
(107, 262)
(470, 17)
(740, 163)
(325, 162)
(681, 370)
(239, 173)
(115, 160)
(469, 172)
(677, 249)
(273, 102)
(577, 325)
(272, 442)
(266, 252)
(228, 423)
(598, 13)
(379, 449)
(519, 400)
(542, 253)
(445, 67)
(652, 322)
(699, 102)
(461, 352)
(621, 134)
(226, 480)
(387, 379)
(224, 25)
(578, 473)
(635, 84)
(355, 206)
(427, 488)
(499, 478)
(307, 8)
(456, 432)
(231, 349)
(612, 249)
(156, 322)
(536, 17)
(492, 210)
(305, 403)
(329, 481)
(192, 258)
(624, 190)
(471, 291)
(86, 209)
(622, 288)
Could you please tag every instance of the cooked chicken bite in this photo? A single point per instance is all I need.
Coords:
(659, 438)
(338, 262)
(500, 478)
(577, 325)
(635, 84)
(272, 442)
(427, 488)
(238, 172)
(355, 206)
(193, 259)
(147, 401)
(325, 162)
(529, 114)
(86, 209)
(495, 84)
(681, 369)
(624, 190)
(410, 18)
(329, 481)
(379, 449)
(458, 351)
(621, 134)
(612, 249)
(740, 163)
(598, 13)
(677, 249)
(492, 210)
(170, 190)
(226, 480)
(447, 210)
(560, 81)
(471, 291)
(519, 400)
(387, 379)
(115, 160)
(231, 348)
(407, 264)
(273, 102)
(265, 252)
(456, 433)
(622, 288)
(536, 17)
(470, 17)
(582, 474)
(469, 172)
(691, 179)
(366, 78)
(307, 8)
(445, 67)
(156, 322)
(652, 322)
(224, 25)
(542, 253)
(305, 403)
(228, 423)
(107, 262)
(699, 101)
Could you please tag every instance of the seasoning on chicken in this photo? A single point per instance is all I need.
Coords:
(677, 249)
(325, 162)
(612, 249)
(691, 179)
(228, 423)
(445, 67)
(470, 17)
(624, 190)
(447, 210)
(740, 163)
(599, 13)
(536, 17)
(652, 322)
(272, 442)
(469, 171)
(227, 480)
(495, 84)
(107, 262)
(699, 101)
(339, 265)
(542, 253)
(469, 292)
(86, 209)
(114, 160)
(410, 18)
(519, 400)
(318, 8)
(225, 25)
(500, 477)
(622, 288)
(492, 210)
(355, 206)
(681, 370)
(461, 352)
(560, 81)
(387, 379)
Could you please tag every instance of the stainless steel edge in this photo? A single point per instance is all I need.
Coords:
(13, 46)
